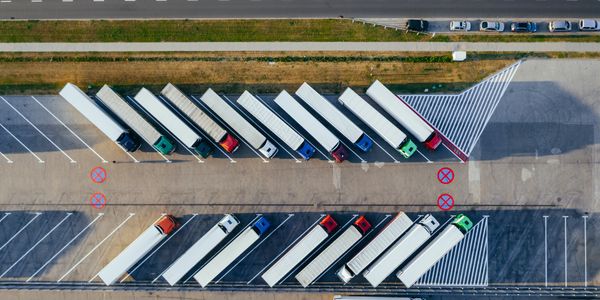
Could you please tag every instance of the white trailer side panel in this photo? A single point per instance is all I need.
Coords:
(329, 112)
(131, 117)
(370, 116)
(86, 106)
(234, 119)
(166, 117)
(307, 121)
(431, 254)
(183, 103)
(396, 255)
(270, 120)
(380, 243)
(131, 255)
(332, 252)
(399, 111)
(295, 255)
(222, 260)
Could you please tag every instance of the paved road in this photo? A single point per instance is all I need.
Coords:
(299, 46)
(86, 9)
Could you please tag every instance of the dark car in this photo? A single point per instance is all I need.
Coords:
(523, 27)
(417, 25)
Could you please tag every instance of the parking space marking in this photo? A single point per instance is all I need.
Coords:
(565, 229)
(69, 214)
(65, 247)
(158, 248)
(37, 214)
(95, 247)
(286, 248)
(584, 250)
(21, 143)
(38, 130)
(362, 160)
(428, 161)
(193, 125)
(69, 129)
(5, 216)
(231, 131)
(255, 247)
(546, 250)
(165, 129)
(259, 128)
(229, 242)
(7, 159)
(381, 147)
(294, 129)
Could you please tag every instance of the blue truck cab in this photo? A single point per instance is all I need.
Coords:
(364, 143)
(129, 142)
(306, 150)
(261, 226)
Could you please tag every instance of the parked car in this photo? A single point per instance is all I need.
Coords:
(417, 25)
(589, 25)
(559, 26)
(460, 25)
(523, 27)
(491, 26)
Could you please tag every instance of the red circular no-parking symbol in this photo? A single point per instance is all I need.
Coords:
(98, 200)
(445, 175)
(445, 202)
(98, 175)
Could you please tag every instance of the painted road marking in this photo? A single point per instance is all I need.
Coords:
(95, 247)
(565, 222)
(445, 175)
(37, 214)
(69, 129)
(65, 247)
(98, 200)
(98, 175)
(38, 130)
(257, 245)
(445, 202)
(546, 250)
(584, 250)
(36, 244)
(229, 129)
(5, 216)
(7, 159)
(19, 141)
(381, 147)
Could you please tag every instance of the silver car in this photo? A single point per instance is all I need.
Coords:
(589, 25)
(460, 26)
(491, 26)
(559, 26)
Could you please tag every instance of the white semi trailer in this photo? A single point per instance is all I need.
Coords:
(299, 251)
(91, 111)
(137, 249)
(335, 250)
(435, 250)
(400, 251)
(240, 125)
(376, 247)
(200, 249)
(134, 120)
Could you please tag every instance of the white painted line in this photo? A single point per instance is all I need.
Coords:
(69, 129)
(211, 258)
(428, 161)
(380, 147)
(36, 1)
(259, 128)
(38, 158)
(20, 230)
(460, 159)
(546, 250)
(36, 244)
(5, 216)
(565, 222)
(231, 131)
(96, 247)
(38, 130)
(257, 245)
(65, 246)
(362, 160)
(584, 250)
(158, 248)
(6, 157)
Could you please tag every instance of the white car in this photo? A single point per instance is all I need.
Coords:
(589, 25)
(491, 26)
(460, 25)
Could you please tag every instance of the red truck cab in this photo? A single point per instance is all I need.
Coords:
(229, 143)
(340, 153)
(166, 224)
(433, 141)
(328, 223)
(362, 224)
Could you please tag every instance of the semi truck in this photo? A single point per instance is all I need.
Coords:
(91, 111)
(299, 251)
(307, 121)
(376, 247)
(435, 250)
(335, 250)
(401, 250)
(232, 251)
(282, 130)
(377, 122)
(168, 119)
(137, 249)
(336, 118)
(402, 113)
(240, 125)
(134, 120)
(201, 119)
(200, 249)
